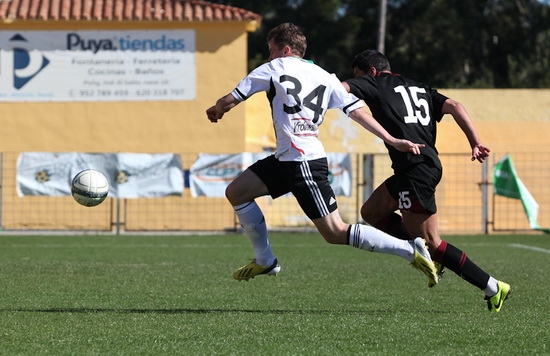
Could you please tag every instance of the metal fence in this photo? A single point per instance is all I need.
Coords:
(465, 199)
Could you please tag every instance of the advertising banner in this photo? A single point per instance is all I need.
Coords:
(97, 65)
(130, 175)
(339, 173)
(212, 173)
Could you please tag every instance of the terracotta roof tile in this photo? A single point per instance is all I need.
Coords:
(119, 10)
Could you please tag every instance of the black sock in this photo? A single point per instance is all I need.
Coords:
(457, 261)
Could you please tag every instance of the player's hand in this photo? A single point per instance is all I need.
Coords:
(213, 114)
(408, 146)
(480, 152)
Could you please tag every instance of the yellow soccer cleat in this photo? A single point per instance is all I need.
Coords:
(439, 271)
(253, 269)
(495, 302)
(423, 262)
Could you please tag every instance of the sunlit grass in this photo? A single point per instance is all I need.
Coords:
(152, 295)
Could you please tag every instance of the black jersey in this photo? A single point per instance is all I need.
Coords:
(406, 109)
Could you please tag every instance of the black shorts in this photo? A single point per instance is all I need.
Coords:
(414, 188)
(307, 180)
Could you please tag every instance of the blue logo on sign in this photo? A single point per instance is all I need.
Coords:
(25, 66)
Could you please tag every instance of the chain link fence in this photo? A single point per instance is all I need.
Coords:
(465, 199)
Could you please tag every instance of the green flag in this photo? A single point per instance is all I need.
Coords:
(507, 183)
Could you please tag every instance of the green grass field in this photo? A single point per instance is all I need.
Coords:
(167, 295)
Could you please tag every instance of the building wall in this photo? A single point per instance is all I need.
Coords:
(163, 126)
(510, 120)
(506, 119)
(142, 127)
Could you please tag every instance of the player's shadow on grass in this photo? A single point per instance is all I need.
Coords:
(205, 311)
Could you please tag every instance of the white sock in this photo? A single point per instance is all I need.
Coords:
(253, 222)
(368, 238)
(492, 287)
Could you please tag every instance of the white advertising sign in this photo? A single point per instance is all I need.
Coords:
(212, 173)
(339, 173)
(97, 65)
(130, 175)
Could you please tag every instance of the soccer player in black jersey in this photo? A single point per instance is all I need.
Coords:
(409, 109)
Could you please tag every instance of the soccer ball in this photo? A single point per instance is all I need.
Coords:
(89, 187)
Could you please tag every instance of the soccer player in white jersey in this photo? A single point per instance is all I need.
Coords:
(300, 93)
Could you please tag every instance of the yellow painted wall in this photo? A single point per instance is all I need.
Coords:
(181, 126)
(507, 120)
(514, 120)
(163, 126)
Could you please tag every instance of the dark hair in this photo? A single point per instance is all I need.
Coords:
(290, 35)
(370, 58)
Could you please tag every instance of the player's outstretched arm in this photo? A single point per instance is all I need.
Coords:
(368, 122)
(223, 105)
(463, 120)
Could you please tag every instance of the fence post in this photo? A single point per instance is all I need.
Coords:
(368, 176)
(485, 197)
(2, 189)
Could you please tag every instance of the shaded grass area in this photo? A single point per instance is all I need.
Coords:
(153, 295)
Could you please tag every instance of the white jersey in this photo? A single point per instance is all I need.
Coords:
(299, 93)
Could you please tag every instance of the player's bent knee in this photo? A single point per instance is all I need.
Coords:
(369, 216)
(334, 239)
(231, 194)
